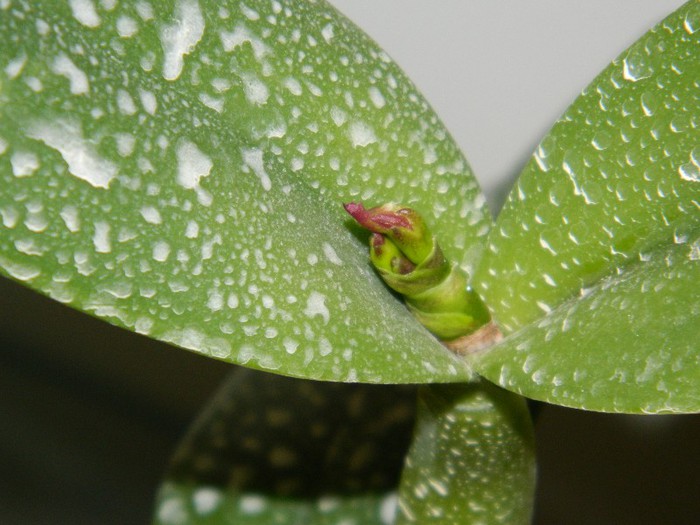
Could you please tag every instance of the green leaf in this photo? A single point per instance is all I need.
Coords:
(629, 345)
(611, 180)
(271, 449)
(472, 459)
(592, 266)
(178, 168)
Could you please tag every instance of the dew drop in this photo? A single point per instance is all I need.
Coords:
(80, 154)
(180, 38)
(77, 79)
(361, 134)
(84, 12)
(601, 141)
(636, 66)
(690, 172)
(24, 163)
(692, 21)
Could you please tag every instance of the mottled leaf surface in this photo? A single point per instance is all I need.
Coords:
(592, 352)
(271, 449)
(592, 265)
(472, 459)
(612, 179)
(178, 167)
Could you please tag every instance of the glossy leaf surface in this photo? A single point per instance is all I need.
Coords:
(610, 181)
(271, 449)
(472, 459)
(592, 266)
(593, 352)
(178, 167)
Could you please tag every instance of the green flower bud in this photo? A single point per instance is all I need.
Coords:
(410, 279)
(400, 224)
(387, 257)
(409, 260)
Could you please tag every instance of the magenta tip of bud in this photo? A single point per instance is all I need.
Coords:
(377, 219)
(357, 210)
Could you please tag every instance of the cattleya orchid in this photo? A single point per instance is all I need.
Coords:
(176, 168)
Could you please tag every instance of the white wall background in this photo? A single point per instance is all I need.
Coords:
(500, 73)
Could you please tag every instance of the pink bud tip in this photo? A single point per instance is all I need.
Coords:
(378, 219)
(356, 209)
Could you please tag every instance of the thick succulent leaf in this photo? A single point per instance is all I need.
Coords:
(611, 180)
(472, 459)
(615, 181)
(178, 167)
(630, 344)
(271, 449)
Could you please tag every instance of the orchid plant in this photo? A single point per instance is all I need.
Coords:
(178, 168)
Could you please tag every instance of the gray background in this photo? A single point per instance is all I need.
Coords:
(89, 414)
